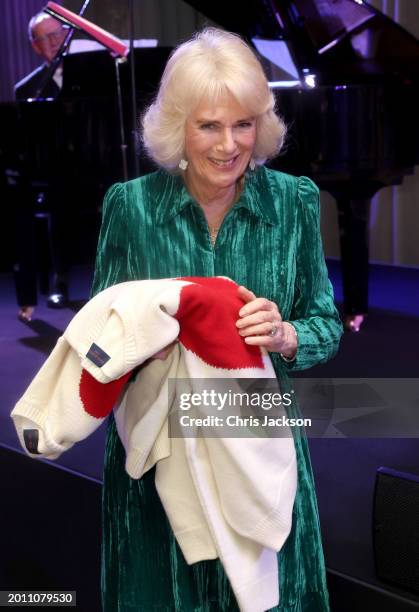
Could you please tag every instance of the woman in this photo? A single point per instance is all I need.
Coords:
(214, 209)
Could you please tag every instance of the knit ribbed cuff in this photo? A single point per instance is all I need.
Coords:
(25, 416)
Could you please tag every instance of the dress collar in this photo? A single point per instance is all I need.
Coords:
(256, 196)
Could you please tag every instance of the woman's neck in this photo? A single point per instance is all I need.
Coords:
(208, 196)
(215, 203)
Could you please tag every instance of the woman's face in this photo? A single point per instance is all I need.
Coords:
(219, 141)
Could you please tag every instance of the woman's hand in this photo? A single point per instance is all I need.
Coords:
(261, 324)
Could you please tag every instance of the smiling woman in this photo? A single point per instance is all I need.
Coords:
(214, 209)
(219, 142)
(215, 129)
(212, 66)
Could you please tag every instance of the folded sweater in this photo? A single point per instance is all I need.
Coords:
(225, 497)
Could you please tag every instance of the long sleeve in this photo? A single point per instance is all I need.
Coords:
(112, 259)
(313, 314)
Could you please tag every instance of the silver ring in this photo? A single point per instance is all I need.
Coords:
(273, 331)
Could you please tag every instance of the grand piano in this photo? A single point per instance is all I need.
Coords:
(346, 80)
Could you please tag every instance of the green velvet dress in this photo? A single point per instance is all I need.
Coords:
(270, 242)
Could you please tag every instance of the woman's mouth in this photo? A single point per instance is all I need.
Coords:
(224, 163)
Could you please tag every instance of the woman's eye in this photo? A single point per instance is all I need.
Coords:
(242, 125)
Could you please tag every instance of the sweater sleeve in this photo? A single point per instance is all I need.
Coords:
(313, 314)
(112, 257)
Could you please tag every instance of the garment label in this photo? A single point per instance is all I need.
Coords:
(97, 355)
(31, 438)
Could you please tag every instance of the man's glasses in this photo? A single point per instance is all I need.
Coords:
(52, 36)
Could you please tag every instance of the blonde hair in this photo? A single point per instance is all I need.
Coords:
(214, 62)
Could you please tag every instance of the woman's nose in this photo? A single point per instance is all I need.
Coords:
(228, 142)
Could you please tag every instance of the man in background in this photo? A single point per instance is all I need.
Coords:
(46, 36)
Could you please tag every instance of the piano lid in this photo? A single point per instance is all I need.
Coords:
(337, 41)
(327, 23)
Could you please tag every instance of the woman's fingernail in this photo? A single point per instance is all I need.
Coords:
(242, 312)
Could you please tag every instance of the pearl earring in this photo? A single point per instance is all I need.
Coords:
(183, 164)
(252, 164)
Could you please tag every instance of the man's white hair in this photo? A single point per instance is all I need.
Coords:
(36, 19)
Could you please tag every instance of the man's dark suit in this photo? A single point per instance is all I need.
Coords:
(28, 86)
(26, 262)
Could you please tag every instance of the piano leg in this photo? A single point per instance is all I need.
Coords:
(353, 216)
(25, 268)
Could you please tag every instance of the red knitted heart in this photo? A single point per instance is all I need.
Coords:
(97, 398)
(207, 314)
